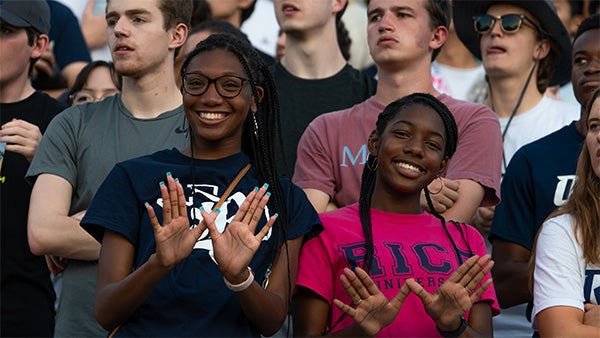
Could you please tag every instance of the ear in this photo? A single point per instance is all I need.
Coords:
(337, 6)
(541, 50)
(443, 166)
(39, 46)
(243, 4)
(179, 34)
(373, 143)
(261, 94)
(440, 34)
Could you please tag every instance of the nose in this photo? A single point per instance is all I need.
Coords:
(120, 28)
(386, 23)
(593, 66)
(496, 28)
(414, 146)
(211, 96)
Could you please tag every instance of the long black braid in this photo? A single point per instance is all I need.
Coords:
(258, 138)
(370, 168)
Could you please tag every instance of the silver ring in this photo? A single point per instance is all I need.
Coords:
(467, 288)
(356, 303)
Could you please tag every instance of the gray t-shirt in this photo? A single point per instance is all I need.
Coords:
(81, 145)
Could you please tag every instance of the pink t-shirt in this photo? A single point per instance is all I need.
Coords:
(406, 246)
(333, 149)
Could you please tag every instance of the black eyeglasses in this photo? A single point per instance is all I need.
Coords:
(509, 23)
(228, 86)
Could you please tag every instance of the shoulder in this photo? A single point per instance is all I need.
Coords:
(460, 108)
(558, 225)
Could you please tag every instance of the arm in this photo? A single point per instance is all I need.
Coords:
(320, 200)
(511, 273)
(565, 321)
(50, 229)
(470, 195)
(93, 27)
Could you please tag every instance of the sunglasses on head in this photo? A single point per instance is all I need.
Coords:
(509, 23)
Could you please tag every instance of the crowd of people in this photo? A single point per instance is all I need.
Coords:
(162, 176)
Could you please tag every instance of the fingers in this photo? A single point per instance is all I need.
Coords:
(417, 289)
(152, 216)
(463, 269)
(472, 283)
(398, 300)
(355, 285)
(347, 309)
(173, 195)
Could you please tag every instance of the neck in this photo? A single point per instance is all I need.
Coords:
(17, 90)
(456, 55)
(213, 150)
(313, 56)
(151, 95)
(388, 200)
(392, 85)
(505, 93)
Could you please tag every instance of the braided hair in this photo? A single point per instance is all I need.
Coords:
(370, 168)
(261, 128)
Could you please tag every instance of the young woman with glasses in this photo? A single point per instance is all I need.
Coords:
(96, 81)
(204, 241)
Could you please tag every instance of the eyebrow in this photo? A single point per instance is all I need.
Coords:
(392, 9)
(433, 132)
(129, 12)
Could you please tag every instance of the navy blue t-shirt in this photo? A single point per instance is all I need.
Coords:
(192, 299)
(538, 179)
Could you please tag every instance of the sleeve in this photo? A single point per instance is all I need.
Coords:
(57, 152)
(478, 154)
(314, 166)
(304, 220)
(115, 207)
(557, 280)
(477, 244)
(315, 271)
(514, 217)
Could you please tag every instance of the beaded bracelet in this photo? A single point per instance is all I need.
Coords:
(243, 285)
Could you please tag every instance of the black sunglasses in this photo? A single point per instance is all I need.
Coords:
(509, 23)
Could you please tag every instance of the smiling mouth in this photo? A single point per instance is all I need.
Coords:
(408, 167)
(212, 116)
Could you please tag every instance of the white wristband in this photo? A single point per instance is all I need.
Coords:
(243, 285)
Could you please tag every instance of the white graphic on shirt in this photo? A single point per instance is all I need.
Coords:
(210, 195)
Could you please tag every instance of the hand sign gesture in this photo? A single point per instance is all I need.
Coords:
(235, 247)
(458, 294)
(174, 238)
(373, 310)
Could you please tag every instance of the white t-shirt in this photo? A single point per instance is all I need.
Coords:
(546, 117)
(562, 277)
(459, 83)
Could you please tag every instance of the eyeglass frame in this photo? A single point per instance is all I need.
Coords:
(95, 98)
(498, 18)
(213, 80)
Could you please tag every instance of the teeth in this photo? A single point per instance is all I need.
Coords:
(408, 167)
(288, 8)
(211, 116)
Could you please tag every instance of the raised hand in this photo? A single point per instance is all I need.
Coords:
(174, 238)
(457, 295)
(21, 137)
(446, 194)
(373, 310)
(235, 247)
